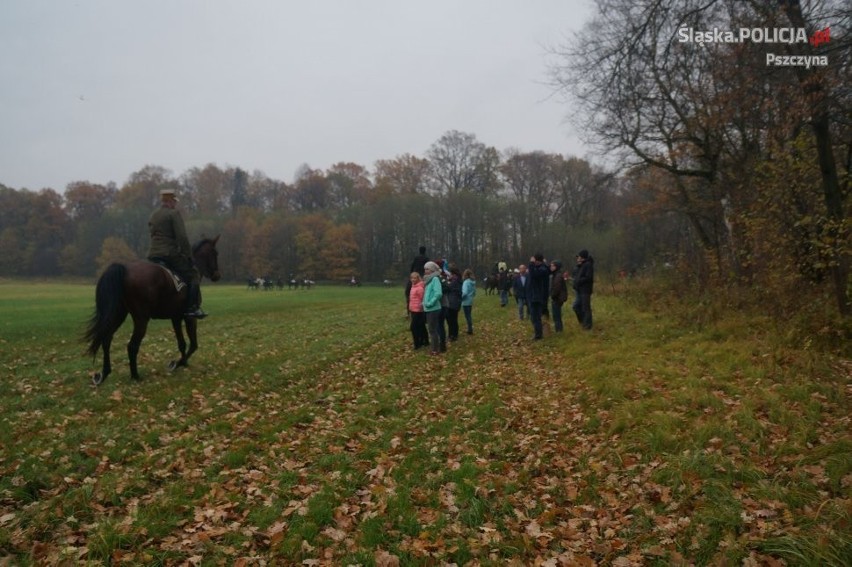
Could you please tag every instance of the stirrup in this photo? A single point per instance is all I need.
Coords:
(195, 314)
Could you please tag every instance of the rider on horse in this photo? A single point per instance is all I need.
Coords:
(170, 246)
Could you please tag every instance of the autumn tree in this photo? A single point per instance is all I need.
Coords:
(114, 249)
(12, 255)
(87, 206)
(87, 201)
(268, 194)
(206, 190)
(235, 248)
(339, 253)
(141, 191)
(239, 190)
(580, 191)
(530, 182)
(310, 238)
(460, 163)
(405, 174)
(708, 114)
(14, 212)
(349, 184)
(311, 192)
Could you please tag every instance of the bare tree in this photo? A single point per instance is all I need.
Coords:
(708, 112)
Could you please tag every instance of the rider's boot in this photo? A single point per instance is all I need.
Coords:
(193, 297)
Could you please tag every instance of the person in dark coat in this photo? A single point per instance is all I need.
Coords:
(537, 292)
(170, 246)
(417, 265)
(558, 294)
(584, 281)
(504, 286)
(454, 302)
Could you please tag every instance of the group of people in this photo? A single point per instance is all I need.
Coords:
(437, 291)
(434, 295)
(541, 284)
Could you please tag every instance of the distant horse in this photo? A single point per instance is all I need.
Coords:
(145, 291)
(491, 284)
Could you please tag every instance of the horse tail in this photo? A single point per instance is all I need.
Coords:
(109, 297)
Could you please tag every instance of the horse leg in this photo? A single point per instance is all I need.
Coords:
(106, 342)
(140, 327)
(181, 343)
(191, 330)
(99, 377)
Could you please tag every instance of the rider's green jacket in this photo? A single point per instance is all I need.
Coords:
(168, 238)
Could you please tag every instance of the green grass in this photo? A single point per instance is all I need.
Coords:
(305, 428)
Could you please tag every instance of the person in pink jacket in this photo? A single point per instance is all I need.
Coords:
(415, 309)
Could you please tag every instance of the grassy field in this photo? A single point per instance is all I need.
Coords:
(306, 431)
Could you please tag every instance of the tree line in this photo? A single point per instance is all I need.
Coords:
(463, 200)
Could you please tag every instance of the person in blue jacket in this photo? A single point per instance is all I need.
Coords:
(432, 305)
(468, 293)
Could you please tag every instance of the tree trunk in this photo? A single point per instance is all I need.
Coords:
(813, 87)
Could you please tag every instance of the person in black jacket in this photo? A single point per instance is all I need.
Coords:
(558, 294)
(454, 298)
(417, 265)
(537, 292)
(419, 261)
(584, 280)
(504, 286)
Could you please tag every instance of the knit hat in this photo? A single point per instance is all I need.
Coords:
(431, 267)
(584, 254)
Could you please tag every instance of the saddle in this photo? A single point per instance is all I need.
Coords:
(176, 279)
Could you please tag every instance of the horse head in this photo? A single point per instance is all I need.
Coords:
(206, 258)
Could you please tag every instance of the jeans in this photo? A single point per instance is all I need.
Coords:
(556, 315)
(536, 310)
(583, 308)
(452, 323)
(522, 303)
(433, 322)
(504, 297)
(468, 316)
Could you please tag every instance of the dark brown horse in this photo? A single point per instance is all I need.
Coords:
(490, 284)
(145, 291)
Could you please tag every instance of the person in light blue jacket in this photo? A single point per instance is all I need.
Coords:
(432, 305)
(468, 293)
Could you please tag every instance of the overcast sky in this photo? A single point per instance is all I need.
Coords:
(94, 90)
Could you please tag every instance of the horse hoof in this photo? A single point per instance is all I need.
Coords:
(97, 379)
(173, 365)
